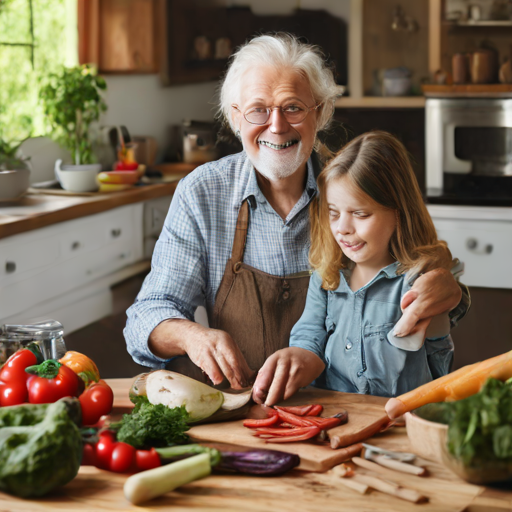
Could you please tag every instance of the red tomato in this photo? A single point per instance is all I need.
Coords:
(96, 401)
(147, 459)
(122, 458)
(104, 449)
(89, 455)
(42, 390)
(14, 393)
(14, 368)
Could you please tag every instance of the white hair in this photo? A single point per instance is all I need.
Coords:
(281, 50)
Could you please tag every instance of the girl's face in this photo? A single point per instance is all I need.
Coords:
(360, 226)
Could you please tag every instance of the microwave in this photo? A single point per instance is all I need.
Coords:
(469, 151)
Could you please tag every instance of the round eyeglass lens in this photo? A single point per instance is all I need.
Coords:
(293, 114)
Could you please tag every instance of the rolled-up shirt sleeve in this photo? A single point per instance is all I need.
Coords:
(310, 331)
(175, 286)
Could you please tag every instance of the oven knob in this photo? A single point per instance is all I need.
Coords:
(472, 245)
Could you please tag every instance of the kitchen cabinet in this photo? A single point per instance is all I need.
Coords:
(119, 36)
(481, 237)
(65, 269)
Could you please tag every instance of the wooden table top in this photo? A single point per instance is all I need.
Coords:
(39, 210)
(98, 490)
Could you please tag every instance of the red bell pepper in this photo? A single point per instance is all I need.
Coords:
(50, 381)
(272, 419)
(299, 410)
(13, 378)
(306, 433)
(96, 401)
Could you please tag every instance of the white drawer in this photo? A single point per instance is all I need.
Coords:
(484, 247)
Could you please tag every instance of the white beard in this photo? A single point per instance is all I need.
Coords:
(273, 166)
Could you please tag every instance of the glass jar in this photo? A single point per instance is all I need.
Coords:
(47, 335)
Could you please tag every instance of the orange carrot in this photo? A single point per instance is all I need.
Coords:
(464, 382)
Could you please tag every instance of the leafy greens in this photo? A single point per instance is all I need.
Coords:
(151, 425)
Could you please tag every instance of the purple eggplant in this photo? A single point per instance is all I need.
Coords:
(252, 462)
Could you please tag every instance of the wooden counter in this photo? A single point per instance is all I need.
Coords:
(98, 490)
(35, 211)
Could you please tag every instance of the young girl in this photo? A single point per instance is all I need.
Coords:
(371, 234)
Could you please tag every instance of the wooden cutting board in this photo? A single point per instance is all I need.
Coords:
(366, 416)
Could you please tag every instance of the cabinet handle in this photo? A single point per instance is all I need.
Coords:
(116, 233)
(472, 245)
(10, 267)
(75, 246)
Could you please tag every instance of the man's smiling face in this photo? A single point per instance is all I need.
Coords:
(277, 149)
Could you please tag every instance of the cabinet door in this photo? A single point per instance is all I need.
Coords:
(119, 36)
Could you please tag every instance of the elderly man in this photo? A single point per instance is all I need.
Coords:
(236, 237)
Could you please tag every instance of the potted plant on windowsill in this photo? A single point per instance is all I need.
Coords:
(72, 101)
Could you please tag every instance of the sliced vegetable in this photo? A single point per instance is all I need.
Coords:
(308, 434)
(201, 401)
(279, 432)
(299, 410)
(266, 422)
(150, 484)
(175, 390)
(462, 383)
(82, 365)
(51, 381)
(299, 421)
(96, 401)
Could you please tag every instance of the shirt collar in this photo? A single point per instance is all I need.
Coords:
(389, 272)
(252, 190)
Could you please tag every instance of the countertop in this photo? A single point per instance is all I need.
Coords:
(98, 490)
(39, 210)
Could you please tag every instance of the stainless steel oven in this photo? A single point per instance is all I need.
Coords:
(469, 151)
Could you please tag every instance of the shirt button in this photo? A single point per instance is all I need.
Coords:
(286, 295)
(348, 346)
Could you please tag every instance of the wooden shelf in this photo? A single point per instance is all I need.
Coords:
(381, 102)
(469, 90)
(482, 23)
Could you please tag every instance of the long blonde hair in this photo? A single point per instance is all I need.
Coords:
(377, 163)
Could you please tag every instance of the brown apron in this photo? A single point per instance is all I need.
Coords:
(257, 309)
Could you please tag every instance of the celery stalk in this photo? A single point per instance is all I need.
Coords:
(152, 483)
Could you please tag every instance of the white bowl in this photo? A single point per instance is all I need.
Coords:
(78, 178)
(13, 184)
(399, 86)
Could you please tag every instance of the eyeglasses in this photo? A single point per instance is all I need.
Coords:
(294, 114)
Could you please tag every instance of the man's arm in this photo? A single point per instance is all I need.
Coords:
(433, 293)
(160, 323)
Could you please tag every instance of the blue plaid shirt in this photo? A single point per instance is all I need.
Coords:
(196, 241)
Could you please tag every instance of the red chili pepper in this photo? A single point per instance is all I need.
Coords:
(326, 423)
(308, 434)
(13, 378)
(96, 401)
(261, 432)
(299, 421)
(51, 381)
(299, 410)
(316, 410)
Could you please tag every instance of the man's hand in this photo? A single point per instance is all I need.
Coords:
(433, 293)
(284, 373)
(212, 350)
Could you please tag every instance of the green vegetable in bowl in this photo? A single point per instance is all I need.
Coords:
(151, 425)
(40, 447)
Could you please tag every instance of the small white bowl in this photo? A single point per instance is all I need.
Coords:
(77, 178)
(13, 184)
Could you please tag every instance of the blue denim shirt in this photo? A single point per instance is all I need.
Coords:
(348, 331)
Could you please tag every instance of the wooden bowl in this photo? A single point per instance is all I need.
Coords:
(429, 440)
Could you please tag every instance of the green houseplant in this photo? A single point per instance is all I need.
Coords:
(72, 101)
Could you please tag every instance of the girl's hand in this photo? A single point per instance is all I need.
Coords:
(433, 293)
(284, 372)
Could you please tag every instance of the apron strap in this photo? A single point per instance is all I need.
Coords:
(237, 253)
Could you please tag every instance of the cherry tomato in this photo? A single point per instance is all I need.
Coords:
(96, 401)
(147, 459)
(44, 390)
(104, 449)
(122, 458)
(14, 393)
(89, 455)
(14, 368)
